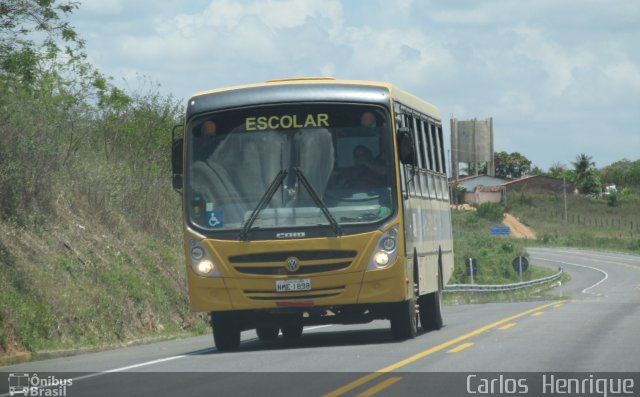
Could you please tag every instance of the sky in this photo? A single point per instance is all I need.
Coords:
(558, 77)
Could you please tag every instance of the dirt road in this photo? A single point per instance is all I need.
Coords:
(518, 229)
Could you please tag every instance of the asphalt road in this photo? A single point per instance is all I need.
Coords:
(592, 325)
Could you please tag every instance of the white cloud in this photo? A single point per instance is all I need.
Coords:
(224, 13)
(405, 56)
(463, 17)
(227, 31)
(558, 62)
(103, 6)
(515, 104)
(542, 69)
(293, 13)
(289, 37)
(625, 74)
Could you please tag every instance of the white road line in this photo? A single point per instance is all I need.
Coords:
(595, 254)
(584, 291)
(160, 360)
(317, 327)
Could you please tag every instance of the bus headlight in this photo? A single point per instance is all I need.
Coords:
(381, 258)
(386, 252)
(389, 244)
(205, 266)
(201, 262)
(197, 253)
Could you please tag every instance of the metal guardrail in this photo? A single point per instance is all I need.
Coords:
(500, 287)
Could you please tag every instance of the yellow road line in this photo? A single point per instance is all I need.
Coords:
(558, 305)
(537, 314)
(360, 381)
(460, 347)
(507, 326)
(379, 387)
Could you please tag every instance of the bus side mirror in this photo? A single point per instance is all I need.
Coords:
(176, 181)
(406, 146)
(176, 156)
(176, 162)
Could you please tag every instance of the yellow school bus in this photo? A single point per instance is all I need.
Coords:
(313, 201)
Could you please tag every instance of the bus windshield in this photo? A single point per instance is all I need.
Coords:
(284, 156)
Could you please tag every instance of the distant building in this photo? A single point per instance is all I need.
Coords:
(538, 184)
(470, 182)
(477, 189)
(482, 188)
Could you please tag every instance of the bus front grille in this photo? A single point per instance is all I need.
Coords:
(282, 270)
(277, 263)
(301, 255)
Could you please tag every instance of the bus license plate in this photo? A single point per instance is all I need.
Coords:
(293, 285)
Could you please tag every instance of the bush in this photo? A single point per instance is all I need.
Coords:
(491, 211)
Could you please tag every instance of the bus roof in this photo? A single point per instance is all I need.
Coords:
(395, 93)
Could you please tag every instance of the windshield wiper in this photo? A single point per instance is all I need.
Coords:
(266, 197)
(316, 199)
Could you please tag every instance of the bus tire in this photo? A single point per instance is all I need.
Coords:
(292, 328)
(226, 332)
(292, 331)
(431, 304)
(404, 324)
(267, 332)
(431, 311)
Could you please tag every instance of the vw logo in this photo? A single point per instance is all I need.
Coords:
(293, 264)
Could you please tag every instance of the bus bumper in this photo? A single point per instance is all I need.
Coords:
(223, 294)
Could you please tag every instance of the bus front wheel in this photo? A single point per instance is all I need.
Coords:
(267, 332)
(226, 331)
(404, 323)
(292, 328)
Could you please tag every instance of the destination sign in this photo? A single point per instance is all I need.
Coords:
(286, 121)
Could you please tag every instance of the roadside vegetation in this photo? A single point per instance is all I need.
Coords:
(90, 242)
(494, 254)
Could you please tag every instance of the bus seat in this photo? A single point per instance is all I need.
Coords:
(316, 157)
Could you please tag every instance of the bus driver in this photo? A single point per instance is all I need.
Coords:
(366, 171)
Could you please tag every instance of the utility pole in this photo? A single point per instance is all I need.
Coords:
(564, 188)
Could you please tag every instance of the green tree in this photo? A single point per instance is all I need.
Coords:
(21, 22)
(586, 176)
(511, 165)
(622, 173)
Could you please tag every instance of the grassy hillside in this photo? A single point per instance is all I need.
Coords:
(90, 237)
(591, 222)
(472, 239)
(78, 282)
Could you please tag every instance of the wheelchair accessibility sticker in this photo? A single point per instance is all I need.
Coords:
(215, 218)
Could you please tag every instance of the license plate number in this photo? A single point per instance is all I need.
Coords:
(293, 285)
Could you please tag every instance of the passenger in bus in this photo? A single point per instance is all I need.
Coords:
(366, 171)
(368, 120)
(206, 140)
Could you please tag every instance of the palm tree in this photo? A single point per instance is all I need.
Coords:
(587, 180)
(583, 164)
